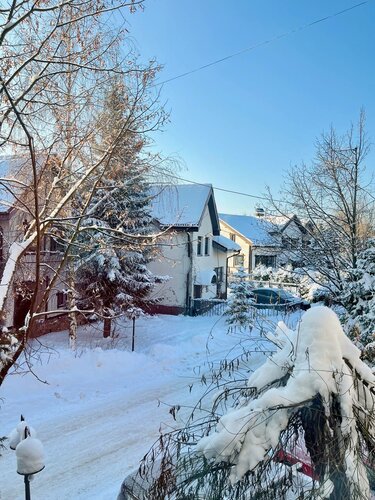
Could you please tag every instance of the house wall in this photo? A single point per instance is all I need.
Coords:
(11, 225)
(173, 262)
(248, 250)
(184, 268)
(214, 259)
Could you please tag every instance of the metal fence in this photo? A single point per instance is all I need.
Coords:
(207, 307)
(217, 307)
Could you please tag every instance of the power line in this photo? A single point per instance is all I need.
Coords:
(264, 42)
(218, 188)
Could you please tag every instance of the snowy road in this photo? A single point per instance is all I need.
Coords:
(99, 414)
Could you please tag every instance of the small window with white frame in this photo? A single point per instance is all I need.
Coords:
(207, 242)
(239, 260)
(199, 245)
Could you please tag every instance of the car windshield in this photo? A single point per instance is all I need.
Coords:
(272, 294)
(286, 295)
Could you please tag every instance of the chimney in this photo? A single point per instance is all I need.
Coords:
(259, 212)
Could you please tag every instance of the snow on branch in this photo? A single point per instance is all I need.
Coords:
(315, 366)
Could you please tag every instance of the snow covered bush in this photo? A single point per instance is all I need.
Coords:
(311, 404)
(262, 273)
(317, 386)
(240, 301)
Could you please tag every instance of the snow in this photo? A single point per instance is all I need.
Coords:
(204, 277)
(30, 456)
(180, 204)
(17, 434)
(102, 406)
(255, 229)
(226, 243)
(317, 354)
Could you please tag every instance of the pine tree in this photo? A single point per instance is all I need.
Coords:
(358, 297)
(240, 301)
(112, 275)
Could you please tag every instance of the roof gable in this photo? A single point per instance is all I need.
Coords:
(183, 205)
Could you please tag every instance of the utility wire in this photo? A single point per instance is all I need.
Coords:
(218, 188)
(264, 42)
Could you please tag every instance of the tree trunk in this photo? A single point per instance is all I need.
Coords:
(107, 327)
(72, 314)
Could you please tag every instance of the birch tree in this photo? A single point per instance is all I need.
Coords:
(56, 59)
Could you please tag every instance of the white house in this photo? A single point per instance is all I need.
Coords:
(270, 241)
(192, 252)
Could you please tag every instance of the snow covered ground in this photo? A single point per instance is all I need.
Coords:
(101, 409)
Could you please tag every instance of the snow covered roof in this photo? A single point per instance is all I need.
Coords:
(281, 222)
(182, 205)
(255, 229)
(226, 243)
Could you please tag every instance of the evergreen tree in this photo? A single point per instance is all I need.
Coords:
(112, 274)
(240, 301)
(358, 297)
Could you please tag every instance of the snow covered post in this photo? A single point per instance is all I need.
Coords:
(29, 453)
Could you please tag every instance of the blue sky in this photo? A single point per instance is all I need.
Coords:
(242, 123)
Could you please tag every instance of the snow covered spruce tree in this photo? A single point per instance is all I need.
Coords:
(240, 301)
(358, 297)
(303, 425)
(115, 240)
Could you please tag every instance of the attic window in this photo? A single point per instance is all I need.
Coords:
(199, 245)
(290, 243)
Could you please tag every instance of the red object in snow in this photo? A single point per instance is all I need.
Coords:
(287, 458)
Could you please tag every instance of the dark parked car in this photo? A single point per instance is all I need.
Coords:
(277, 298)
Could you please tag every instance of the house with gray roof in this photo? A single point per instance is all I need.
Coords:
(192, 252)
(264, 240)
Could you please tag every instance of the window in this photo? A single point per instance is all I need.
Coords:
(265, 260)
(56, 245)
(232, 236)
(239, 260)
(61, 300)
(290, 243)
(199, 245)
(220, 274)
(198, 291)
(207, 246)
